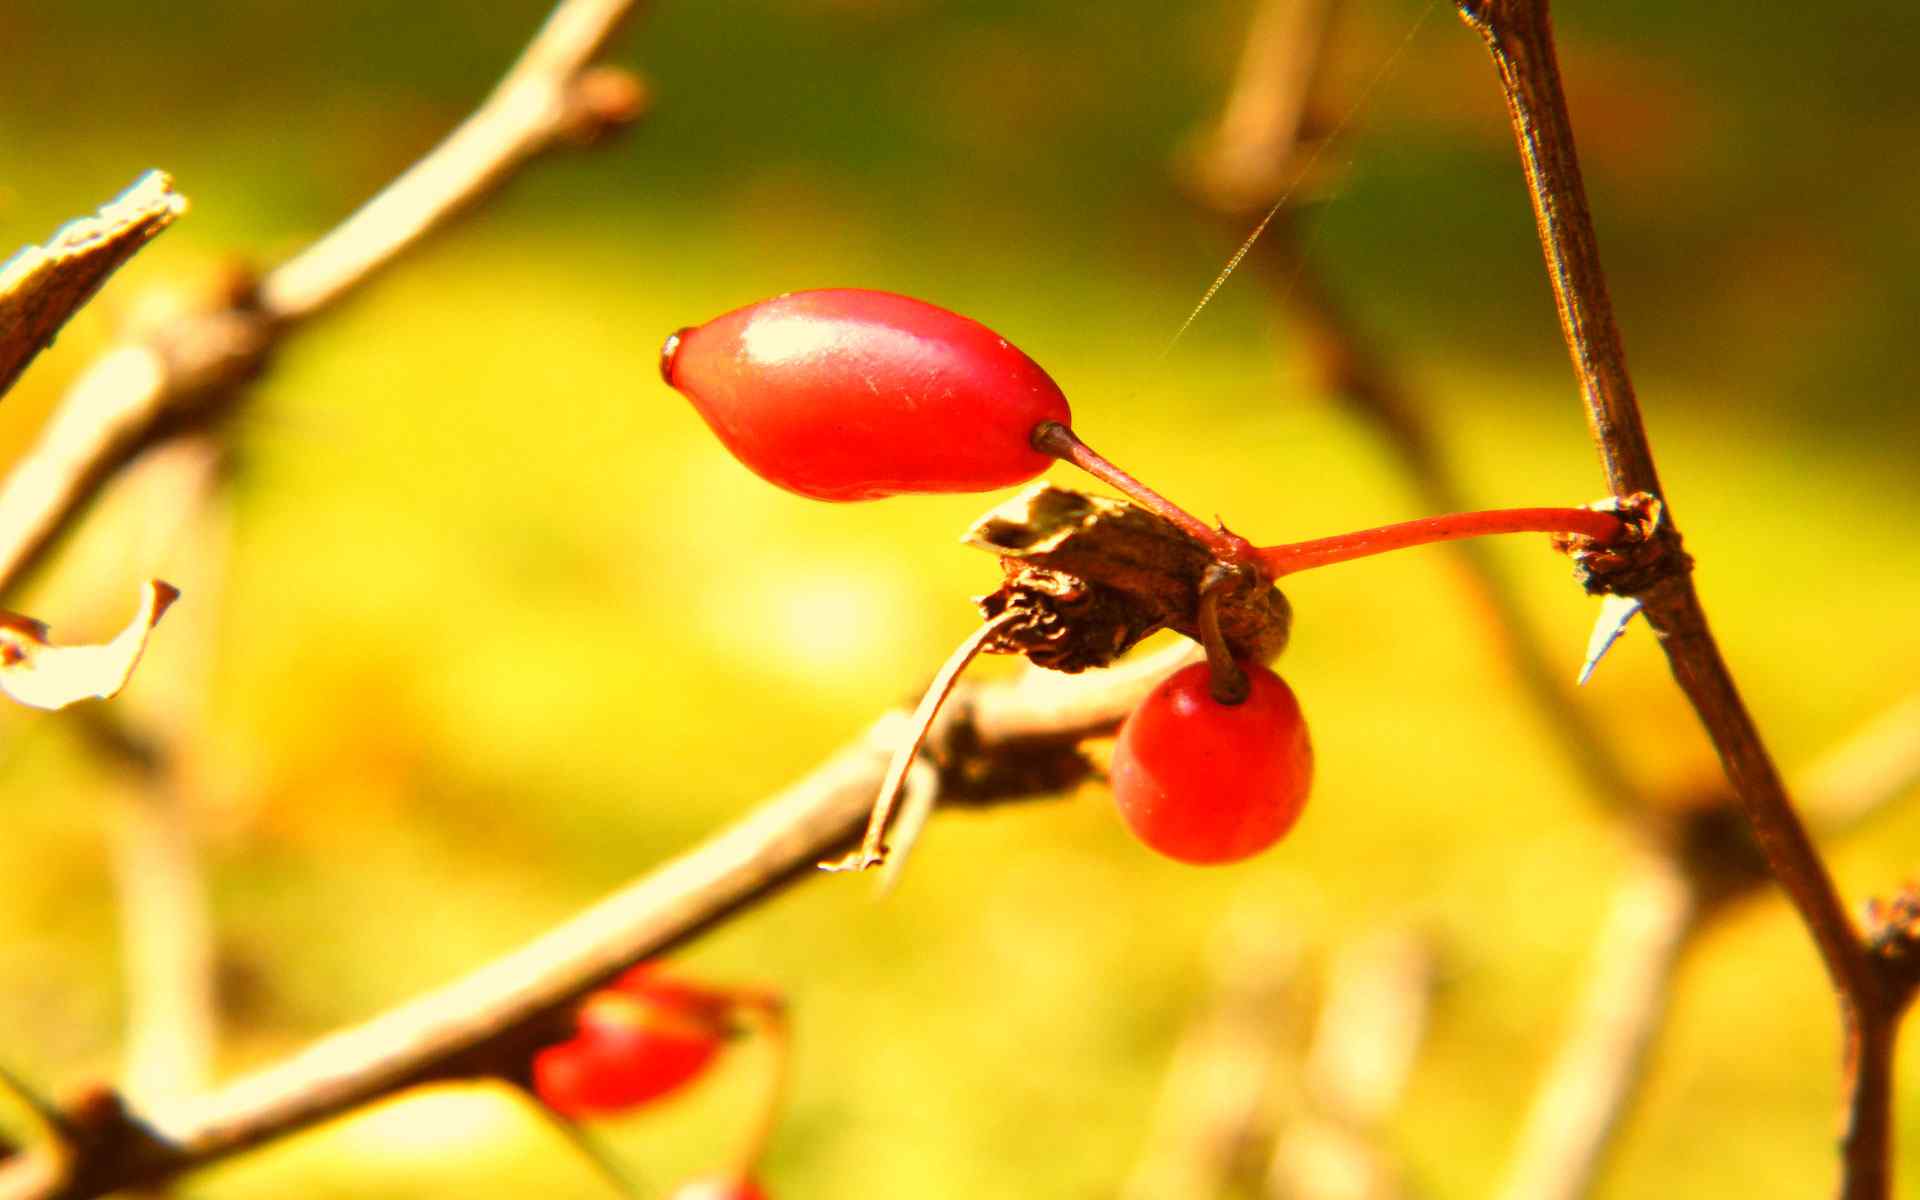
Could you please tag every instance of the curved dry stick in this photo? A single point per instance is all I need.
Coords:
(187, 372)
(873, 849)
(491, 1020)
(1519, 37)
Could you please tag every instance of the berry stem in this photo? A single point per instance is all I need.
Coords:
(1604, 528)
(1229, 683)
(1051, 437)
(770, 1015)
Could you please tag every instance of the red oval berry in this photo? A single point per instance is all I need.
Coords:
(847, 394)
(1206, 782)
(626, 1053)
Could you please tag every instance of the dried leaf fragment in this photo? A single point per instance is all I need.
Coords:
(42, 286)
(42, 675)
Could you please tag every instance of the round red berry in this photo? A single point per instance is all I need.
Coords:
(1205, 782)
(847, 394)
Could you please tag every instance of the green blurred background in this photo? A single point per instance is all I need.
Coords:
(499, 625)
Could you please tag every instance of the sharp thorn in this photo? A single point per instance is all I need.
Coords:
(1615, 613)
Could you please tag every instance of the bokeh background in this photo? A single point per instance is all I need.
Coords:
(497, 625)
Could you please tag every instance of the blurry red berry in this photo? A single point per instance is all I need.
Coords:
(626, 1052)
(719, 1188)
(673, 995)
(847, 394)
(1206, 782)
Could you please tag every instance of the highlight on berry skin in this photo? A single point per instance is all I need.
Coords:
(850, 394)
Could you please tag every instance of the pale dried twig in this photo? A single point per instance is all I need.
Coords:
(1372, 1022)
(1599, 1065)
(1215, 1110)
(167, 508)
(189, 371)
(490, 1021)
(41, 287)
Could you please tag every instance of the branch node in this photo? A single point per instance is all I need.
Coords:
(602, 102)
(1647, 554)
(1893, 942)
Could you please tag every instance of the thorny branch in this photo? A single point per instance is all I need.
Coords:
(191, 371)
(1252, 165)
(1700, 862)
(1012, 743)
(1519, 36)
(1001, 742)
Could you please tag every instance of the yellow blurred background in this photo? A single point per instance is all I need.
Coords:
(489, 624)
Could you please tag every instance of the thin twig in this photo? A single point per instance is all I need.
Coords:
(1868, 771)
(1599, 1065)
(873, 849)
(1016, 739)
(43, 286)
(1702, 865)
(1373, 1019)
(189, 371)
(1215, 1111)
(166, 509)
(1519, 36)
(604, 1162)
(167, 939)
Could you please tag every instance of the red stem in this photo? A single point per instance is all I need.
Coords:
(1051, 437)
(1604, 528)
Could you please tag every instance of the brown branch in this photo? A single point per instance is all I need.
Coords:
(42, 287)
(191, 371)
(1519, 36)
(1013, 740)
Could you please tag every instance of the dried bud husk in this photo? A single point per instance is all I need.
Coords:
(1091, 576)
